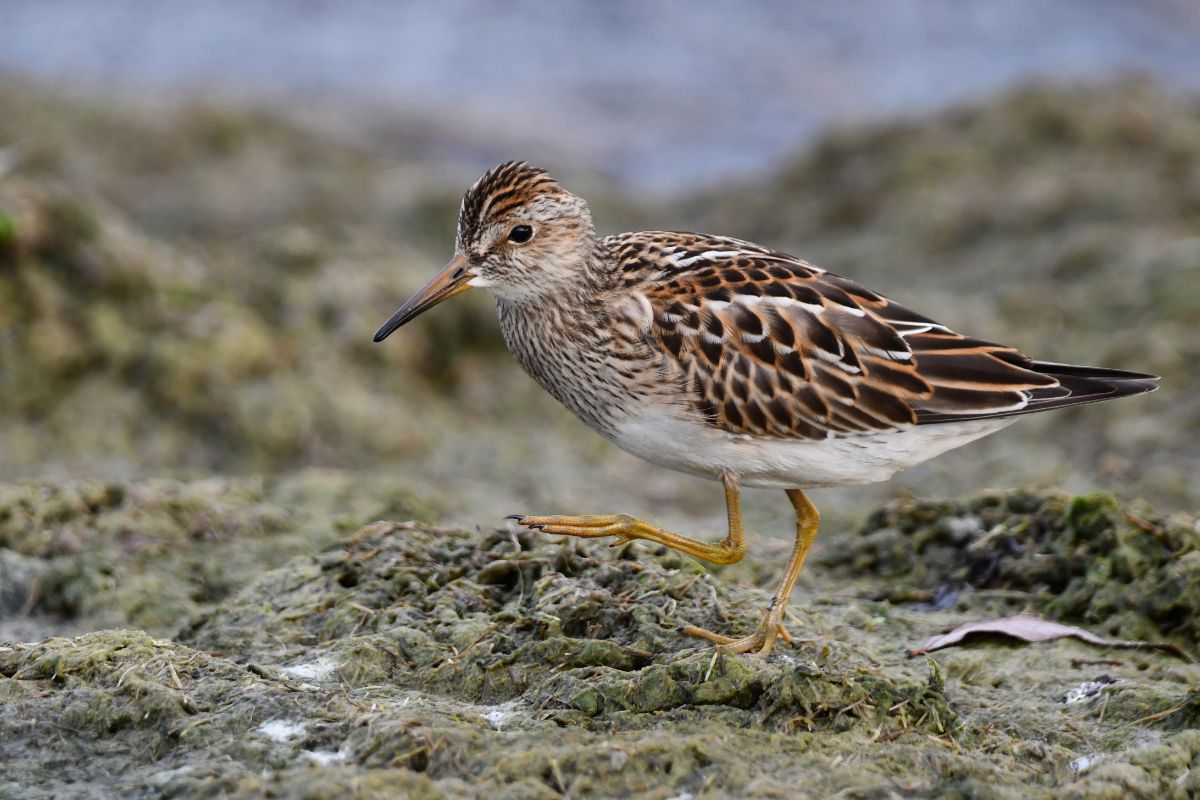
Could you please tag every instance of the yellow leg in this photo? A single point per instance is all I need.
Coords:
(729, 551)
(808, 520)
(626, 528)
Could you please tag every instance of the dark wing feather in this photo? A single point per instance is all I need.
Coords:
(769, 345)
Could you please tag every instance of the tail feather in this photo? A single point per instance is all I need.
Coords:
(1076, 385)
(1055, 369)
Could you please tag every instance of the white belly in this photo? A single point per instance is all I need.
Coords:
(691, 446)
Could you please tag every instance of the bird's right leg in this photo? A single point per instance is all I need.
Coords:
(626, 528)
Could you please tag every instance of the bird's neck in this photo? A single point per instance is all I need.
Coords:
(593, 274)
(561, 341)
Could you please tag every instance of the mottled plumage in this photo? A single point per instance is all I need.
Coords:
(768, 345)
(729, 360)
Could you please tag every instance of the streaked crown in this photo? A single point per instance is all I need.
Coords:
(500, 191)
(523, 234)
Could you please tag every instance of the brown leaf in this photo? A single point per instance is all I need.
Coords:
(1030, 628)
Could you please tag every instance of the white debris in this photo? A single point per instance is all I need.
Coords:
(317, 670)
(1088, 689)
(1084, 763)
(962, 527)
(324, 757)
(498, 716)
(281, 730)
(167, 775)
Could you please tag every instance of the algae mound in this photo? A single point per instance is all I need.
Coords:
(495, 617)
(1133, 573)
(436, 662)
(455, 664)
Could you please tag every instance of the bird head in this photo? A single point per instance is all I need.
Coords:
(520, 236)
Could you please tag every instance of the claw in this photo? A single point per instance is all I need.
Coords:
(520, 520)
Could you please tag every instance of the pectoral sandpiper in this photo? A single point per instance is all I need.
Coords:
(730, 361)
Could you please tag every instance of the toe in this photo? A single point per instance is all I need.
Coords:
(744, 645)
(573, 530)
(702, 633)
(756, 642)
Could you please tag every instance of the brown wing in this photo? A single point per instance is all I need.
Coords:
(769, 345)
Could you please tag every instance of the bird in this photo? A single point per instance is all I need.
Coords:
(730, 361)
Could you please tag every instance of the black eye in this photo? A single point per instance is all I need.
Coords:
(520, 234)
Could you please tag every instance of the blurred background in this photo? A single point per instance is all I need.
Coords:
(206, 209)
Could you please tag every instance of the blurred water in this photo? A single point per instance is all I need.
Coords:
(654, 91)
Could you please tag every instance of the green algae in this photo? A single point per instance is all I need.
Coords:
(98, 322)
(574, 634)
(134, 702)
(503, 663)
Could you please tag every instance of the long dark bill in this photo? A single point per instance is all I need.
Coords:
(450, 281)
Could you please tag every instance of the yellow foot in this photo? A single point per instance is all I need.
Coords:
(626, 528)
(623, 526)
(758, 640)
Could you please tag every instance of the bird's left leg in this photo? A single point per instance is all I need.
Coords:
(808, 520)
(626, 528)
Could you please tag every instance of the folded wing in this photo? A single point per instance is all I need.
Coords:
(768, 345)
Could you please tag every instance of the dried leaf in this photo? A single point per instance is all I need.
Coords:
(1031, 628)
